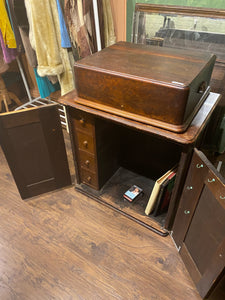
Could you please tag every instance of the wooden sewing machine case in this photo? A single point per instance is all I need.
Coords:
(159, 86)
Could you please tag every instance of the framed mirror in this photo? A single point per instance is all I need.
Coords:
(190, 28)
(185, 28)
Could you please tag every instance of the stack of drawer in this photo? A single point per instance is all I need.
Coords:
(84, 133)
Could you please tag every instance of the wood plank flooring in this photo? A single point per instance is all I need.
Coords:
(63, 245)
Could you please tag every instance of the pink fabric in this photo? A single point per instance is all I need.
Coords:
(9, 54)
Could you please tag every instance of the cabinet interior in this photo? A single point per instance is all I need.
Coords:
(125, 158)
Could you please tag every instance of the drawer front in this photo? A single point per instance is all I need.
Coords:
(87, 161)
(89, 178)
(85, 142)
(83, 122)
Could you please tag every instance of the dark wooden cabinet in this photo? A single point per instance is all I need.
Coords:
(111, 153)
(199, 226)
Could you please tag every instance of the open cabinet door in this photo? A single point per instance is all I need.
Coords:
(33, 144)
(199, 227)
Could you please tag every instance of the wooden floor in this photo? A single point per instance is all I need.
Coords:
(63, 245)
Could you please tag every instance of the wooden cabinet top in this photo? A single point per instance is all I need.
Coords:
(175, 67)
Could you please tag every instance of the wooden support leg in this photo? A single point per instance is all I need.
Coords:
(14, 98)
(5, 102)
(6, 97)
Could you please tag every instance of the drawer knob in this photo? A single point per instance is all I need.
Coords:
(82, 121)
(89, 179)
(85, 143)
(187, 212)
(87, 163)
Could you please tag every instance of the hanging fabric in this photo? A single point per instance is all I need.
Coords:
(78, 32)
(89, 21)
(46, 40)
(14, 25)
(43, 37)
(3, 65)
(5, 27)
(109, 32)
(101, 22)
(7, 37)
(65, 40)
(9, 54)
(45, 85)
(19, 10)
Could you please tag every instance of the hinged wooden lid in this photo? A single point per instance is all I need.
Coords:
(175, 67)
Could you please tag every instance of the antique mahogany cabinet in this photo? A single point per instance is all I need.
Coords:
(110, 154)
(113, 151)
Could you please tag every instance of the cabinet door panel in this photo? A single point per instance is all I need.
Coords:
(33, 145)
(190, 195)
(199, 227)
(206, 230)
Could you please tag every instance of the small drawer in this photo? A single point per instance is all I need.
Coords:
(87, 161)
(83, 122)
(85, 142)
(89, 178)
